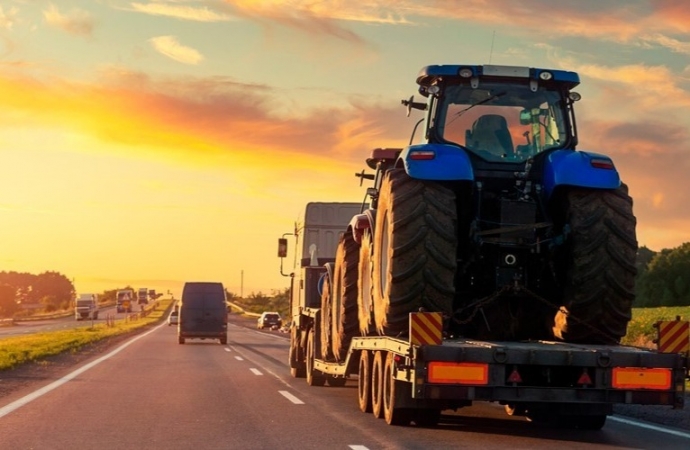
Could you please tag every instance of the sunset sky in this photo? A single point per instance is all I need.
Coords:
(149, 143)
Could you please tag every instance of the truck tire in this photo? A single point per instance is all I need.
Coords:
(364, 381)
(314, 378)
(600, 279)
(297, 367)
(392, 413)
(414, 258)
(344, 314)
(365, 309)
(377, 384)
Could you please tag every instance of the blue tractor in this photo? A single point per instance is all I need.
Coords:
(490, 216)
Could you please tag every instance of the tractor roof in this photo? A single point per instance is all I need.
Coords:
(430, 74)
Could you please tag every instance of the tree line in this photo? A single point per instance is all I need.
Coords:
(663, 278)
(53, 291)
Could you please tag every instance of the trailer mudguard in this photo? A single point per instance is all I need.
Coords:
(581, 169)
(441, 162)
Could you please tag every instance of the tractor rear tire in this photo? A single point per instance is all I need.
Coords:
(365, 307)
(414, 258)
(600, 280)
(344, 315)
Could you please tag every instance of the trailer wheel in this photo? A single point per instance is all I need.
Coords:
(224, 341)
(393, 414)
(180, 340)
(314, 378)
(414, 259)
(600, 275)
(365, 306)
(377, 384)
(364, 382)
(344, 314)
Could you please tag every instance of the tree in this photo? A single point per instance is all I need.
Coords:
(8, 300)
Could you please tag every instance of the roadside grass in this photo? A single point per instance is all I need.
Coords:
(641, 330)
(15, 351)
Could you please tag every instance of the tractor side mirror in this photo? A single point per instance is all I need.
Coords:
(282, 247)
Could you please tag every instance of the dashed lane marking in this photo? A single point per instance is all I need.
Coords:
(239, 358)
(291, 397)
(256, 371)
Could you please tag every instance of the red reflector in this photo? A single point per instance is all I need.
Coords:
(584, 379)
(602, 163)
(515, 377)
(422, 155)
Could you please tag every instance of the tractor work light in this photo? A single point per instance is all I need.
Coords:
(546, 76)
(465, 72)
(602, 163)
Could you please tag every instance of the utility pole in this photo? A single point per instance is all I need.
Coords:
(242, 284)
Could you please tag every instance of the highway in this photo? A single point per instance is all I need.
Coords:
(150, 392)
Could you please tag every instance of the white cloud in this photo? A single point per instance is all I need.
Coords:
(181, 12)
(78, 22)
(7, 18)
(170, 47)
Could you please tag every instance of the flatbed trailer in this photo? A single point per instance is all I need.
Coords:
(573, 384)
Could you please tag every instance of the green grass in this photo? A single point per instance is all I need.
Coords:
(19, 350)
(641, 330)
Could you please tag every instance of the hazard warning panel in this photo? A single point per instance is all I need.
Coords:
(426, 328)
(674, 336)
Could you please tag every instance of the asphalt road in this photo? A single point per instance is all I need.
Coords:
(153, 393)
(25, 327)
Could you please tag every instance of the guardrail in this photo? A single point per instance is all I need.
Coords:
(242, 310)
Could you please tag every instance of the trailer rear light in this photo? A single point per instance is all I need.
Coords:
(458, 373)
(422, 155)
(599, 163)
(640, 378)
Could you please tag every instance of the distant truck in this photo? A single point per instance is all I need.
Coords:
(86, 307)
(143, 296)
(124, 299)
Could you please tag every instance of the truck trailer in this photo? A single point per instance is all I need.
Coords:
(492, 261)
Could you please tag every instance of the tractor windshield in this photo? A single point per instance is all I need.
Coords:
(502, 122)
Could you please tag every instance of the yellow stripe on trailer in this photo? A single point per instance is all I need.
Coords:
(674, 336)
(426, 328)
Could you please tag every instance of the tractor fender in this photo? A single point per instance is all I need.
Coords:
(441, 162)
(360, 223)
(581, 169)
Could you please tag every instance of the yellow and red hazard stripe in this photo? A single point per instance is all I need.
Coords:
(426, 328)
(674, 336)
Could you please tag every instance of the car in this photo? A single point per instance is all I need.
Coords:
(173, 318)
(269, 319)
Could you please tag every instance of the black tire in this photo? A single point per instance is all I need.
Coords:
(393, 414)
(364, 382)
(377, 384)
(326, 321)
(414, 258)
(224, 341)
(365, 305)
(314, 378)
(345, 321)
(297, 367)
(600, 279)
(180, 340)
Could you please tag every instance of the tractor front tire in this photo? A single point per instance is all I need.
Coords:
(344, 315)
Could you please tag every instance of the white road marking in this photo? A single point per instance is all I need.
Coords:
(256, 371)
(358, 447)
(227, 349)
(5, 410)
(649, 426)
(239, 358)
(291, 397)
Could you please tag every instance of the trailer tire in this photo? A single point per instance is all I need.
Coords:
(377, 384)
(364, 381)
(336, 381)
(344, 313)
(600, 275)
(414, 258)
(365, 302)
(394, 415)
(180, 340)
(314, 378)
(297, 369)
